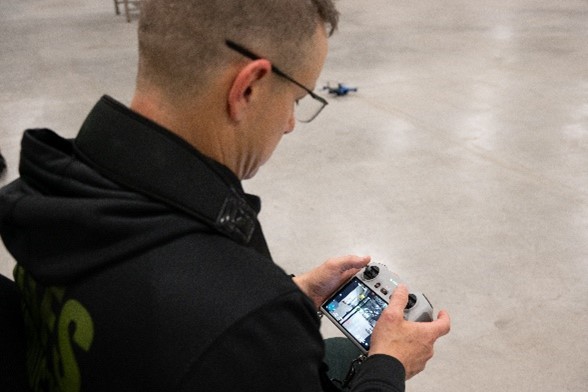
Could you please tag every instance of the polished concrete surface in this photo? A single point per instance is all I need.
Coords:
(461, 162)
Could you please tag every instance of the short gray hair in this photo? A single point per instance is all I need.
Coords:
(181, 42)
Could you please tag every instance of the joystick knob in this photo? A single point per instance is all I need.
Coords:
(412, 299)
(371, 271)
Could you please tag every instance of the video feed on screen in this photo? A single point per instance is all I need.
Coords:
(357, 308)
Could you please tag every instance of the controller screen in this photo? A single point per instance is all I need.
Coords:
(356, 308)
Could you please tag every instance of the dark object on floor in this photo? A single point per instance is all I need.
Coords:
(2, 164)
(340, 90)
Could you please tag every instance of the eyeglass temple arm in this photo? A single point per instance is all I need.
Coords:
(247, 53)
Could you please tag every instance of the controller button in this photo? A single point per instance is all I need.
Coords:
(377, 285)
(384, 291)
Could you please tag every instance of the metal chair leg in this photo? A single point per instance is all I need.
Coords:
(127, 12)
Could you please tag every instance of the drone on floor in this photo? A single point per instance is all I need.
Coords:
(340, 90)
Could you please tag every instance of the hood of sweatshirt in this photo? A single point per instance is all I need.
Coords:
(123, 186)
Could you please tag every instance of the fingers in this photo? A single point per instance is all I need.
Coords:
(412, 343)
(350, 262)
(442, 324)
(346, 266)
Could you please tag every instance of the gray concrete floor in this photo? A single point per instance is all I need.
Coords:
(461, 162)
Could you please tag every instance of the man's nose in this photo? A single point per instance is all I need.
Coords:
(291, 124)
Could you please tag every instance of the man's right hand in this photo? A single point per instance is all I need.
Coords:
(409, 342)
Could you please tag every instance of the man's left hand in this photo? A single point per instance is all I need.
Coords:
(321, 281)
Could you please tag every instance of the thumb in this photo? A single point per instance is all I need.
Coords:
(399, 298)
(442, 324)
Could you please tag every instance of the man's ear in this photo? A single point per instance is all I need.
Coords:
(245, 85)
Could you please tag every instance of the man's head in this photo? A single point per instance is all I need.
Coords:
(182, 42)
(231, 106)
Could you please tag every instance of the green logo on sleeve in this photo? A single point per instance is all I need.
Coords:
(57, 328)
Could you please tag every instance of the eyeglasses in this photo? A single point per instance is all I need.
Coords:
(308, 107)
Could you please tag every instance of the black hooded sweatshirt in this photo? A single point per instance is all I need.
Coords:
(143, 267)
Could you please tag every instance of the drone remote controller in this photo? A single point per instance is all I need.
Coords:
(356, 306)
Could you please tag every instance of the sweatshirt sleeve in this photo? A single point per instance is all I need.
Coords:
(379, 373)
(278, 347)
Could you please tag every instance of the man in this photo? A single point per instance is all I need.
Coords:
(140, 258)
